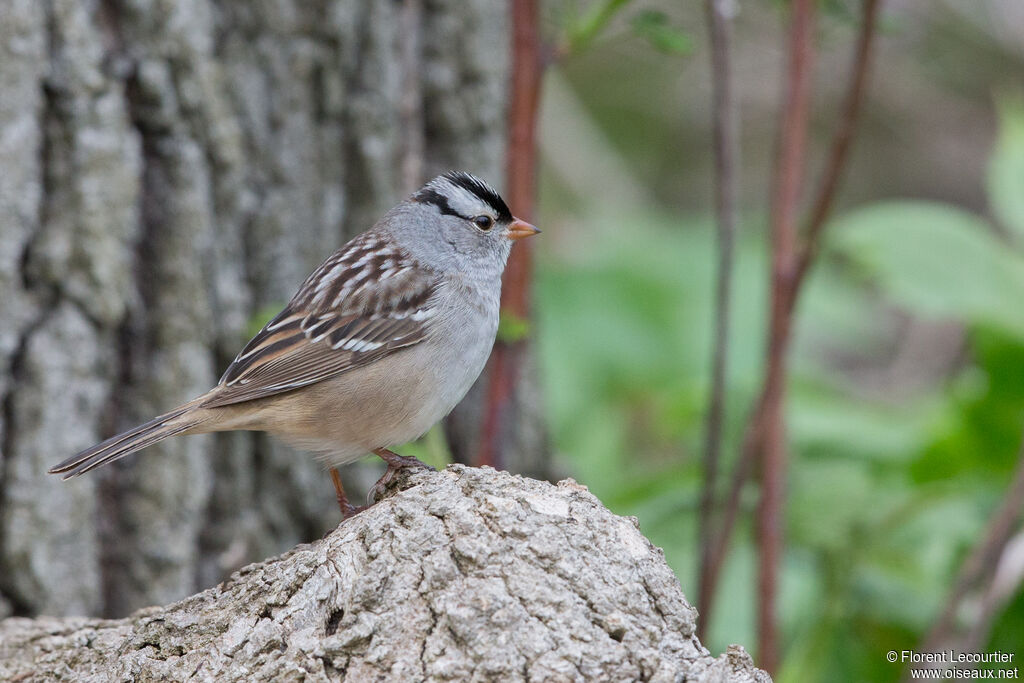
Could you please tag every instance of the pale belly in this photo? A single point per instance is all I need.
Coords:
(385, 404)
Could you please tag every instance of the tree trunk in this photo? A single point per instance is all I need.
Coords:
(467, 574)
(171, 171)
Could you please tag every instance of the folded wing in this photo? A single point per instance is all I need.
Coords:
(365, 302)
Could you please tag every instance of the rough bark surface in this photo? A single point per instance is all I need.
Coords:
(169, 174)
(465, 574)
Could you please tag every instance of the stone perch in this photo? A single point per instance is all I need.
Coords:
(465, 574)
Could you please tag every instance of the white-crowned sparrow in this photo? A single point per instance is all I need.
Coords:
(378, 344)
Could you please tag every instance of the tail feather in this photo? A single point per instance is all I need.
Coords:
(126, 443)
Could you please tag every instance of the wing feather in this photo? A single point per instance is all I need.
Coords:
(329, 328)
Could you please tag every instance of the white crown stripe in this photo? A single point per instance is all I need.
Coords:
(461, 200)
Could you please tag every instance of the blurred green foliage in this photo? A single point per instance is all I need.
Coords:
(657, 29)
(583, 26)
(892, 479)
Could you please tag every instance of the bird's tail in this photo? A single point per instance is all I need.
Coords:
(135, 439)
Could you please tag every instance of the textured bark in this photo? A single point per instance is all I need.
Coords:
(170, 170)
(466, 574)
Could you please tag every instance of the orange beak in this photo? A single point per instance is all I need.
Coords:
(520, 229)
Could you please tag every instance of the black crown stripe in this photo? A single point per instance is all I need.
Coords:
(482, 190)
(430, 196)
(471, 184)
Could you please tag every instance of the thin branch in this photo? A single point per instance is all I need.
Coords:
(754, 438)
(1001, 587)
(726, 145)
(521, 181)
(720, 542)
(789, 171)
(841, 141)
(980, 565)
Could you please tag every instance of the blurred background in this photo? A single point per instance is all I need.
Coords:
(170, 171)
(906, 378)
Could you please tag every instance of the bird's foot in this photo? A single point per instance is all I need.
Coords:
(396, 463)
(347, 508)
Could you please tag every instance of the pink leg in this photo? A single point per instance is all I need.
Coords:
(347, 508)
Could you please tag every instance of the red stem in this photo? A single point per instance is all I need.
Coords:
(521, 180)
(757, 434)
(789, 170)
(841, 141)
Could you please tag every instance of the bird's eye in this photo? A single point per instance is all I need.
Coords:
(485, 223)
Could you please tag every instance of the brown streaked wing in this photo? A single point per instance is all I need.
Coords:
(306, 344)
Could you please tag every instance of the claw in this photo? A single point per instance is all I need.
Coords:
(396, 463)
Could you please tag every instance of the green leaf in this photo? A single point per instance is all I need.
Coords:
(980, 439)
(654, 26)
(594, 20)
(1006, 168)
(938, 261)
(828, 424)
(512, 328)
